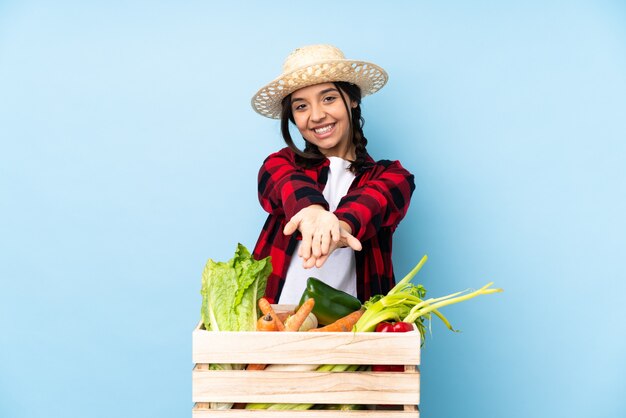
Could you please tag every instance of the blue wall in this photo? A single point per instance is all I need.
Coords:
(129, 153)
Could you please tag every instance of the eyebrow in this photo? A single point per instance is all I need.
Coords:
(321, 93)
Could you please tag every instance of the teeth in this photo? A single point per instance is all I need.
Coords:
(324, 129)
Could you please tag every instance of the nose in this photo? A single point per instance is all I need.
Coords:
(317, 113)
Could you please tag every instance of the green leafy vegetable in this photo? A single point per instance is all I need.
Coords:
(406, 303)
(230, 291)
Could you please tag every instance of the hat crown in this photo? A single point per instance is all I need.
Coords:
(312, 54)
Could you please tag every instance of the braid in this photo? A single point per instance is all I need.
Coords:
(359, 141)
(356, 128)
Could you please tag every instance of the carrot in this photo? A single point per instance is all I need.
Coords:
(266, 308)
(266, 323)
(262, 323)
(295, 321)
(344, 324)
(256, 366)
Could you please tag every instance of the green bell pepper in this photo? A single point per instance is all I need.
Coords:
(330, 303)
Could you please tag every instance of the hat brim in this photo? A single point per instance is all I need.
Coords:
(369, 77)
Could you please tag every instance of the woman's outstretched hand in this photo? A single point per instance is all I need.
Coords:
(322, 232)
(346, 239)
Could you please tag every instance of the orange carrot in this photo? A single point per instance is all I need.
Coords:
(344, 324)
(266, 308)
(266, 323)
(256, 366)
(295, 321)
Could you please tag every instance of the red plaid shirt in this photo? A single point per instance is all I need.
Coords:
(373, 207)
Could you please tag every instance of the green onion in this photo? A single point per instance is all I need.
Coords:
(405, 302)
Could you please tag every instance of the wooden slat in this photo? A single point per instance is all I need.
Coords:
(305, 347)
(267, 386)
(242, 413)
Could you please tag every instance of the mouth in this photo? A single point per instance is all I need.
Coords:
(324, 130)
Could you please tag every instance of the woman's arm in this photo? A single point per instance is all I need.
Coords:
(382, 201)
(287, 190)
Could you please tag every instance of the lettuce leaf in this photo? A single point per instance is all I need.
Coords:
(230, 291)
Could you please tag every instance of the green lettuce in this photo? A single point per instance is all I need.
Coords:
(230, 291)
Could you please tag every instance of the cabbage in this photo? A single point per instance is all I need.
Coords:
(230, 291)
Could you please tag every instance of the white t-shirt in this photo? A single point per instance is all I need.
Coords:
(339, 270)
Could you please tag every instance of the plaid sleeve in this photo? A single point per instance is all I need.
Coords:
(284, 188)
(381, 200)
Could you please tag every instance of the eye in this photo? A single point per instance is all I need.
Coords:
(330, 99)
(299, 107)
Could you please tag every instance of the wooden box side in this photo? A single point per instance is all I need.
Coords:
(362, 387)
(305, 347)
(388, 388)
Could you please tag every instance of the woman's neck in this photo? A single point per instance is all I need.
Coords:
(349, 154)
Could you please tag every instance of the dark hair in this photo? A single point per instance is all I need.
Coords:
(311, 155)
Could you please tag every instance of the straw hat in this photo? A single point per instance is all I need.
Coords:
(316, 64)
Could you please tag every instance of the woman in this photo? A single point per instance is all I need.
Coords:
(332, 208)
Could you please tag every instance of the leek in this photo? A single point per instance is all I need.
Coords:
(406, 302)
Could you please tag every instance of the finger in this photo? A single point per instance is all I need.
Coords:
(309, 263)
(335, 233)
(352, 242)
(320, 261)
(305, 246)
(325, 243)
(316, 245)
(290, 227)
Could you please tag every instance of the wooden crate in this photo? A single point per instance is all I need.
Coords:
(400, 390)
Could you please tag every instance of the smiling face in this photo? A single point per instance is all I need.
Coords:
(321, 117)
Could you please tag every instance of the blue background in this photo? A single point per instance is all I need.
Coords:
(129, 155)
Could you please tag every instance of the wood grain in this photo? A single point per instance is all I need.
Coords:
(267, 386)
(305, 347)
